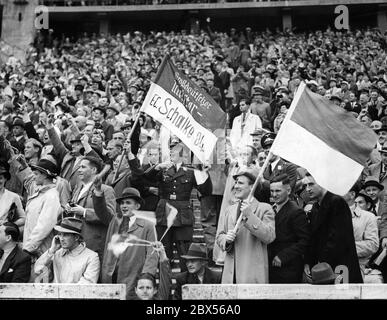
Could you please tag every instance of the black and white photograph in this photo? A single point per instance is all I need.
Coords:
(193, 153)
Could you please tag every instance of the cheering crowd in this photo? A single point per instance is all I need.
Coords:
(78, 174)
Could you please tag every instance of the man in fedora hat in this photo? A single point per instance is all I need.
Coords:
(332, 238)
(364, 201)
(135, 260)
(43, 204)
(197, 272)
(72, 261)
(374, 190)
(246, 259)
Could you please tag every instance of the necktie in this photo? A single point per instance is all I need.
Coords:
(239, 209)
(1, 253)
(275, 208)
(124, 225)
(382, 172)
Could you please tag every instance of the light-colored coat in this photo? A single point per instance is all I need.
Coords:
(365, 228)
(247, 257)
(42, 211)
(242, 137)
(80, 265)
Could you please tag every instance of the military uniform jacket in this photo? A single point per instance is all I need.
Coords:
(175, 188)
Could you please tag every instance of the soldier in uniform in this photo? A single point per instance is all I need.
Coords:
(176, 184)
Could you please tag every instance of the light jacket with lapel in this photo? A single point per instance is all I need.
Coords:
(247, 256)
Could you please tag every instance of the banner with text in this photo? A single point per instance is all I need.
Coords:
(185, 109)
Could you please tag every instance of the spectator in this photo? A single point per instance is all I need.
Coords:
(244, 125)
(246, 258)
(135, 260)
(365, 230)
(15, 264)
(94, 229)
(332, 237)
(287, 251)
(374, 190)
(146, 288)
(71, 260)
(197, 270)
(11, 209)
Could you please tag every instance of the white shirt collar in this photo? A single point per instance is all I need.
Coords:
(274, 163)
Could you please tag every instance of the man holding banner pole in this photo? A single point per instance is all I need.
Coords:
(248, 228)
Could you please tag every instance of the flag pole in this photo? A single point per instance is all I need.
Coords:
(127, 141)
(251, 194)
(163, 62)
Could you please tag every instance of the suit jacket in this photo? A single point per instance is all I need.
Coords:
(135, 259)
(282, 167)
(93, 229)
(17, 267)
(108, 130)
(291, 241)
(150, 198)
(332, 239)
(18, 144)
(188, 278)
(127, 177)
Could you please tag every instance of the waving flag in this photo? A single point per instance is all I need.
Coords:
(324, 139)
(171, 213)
(185, 109)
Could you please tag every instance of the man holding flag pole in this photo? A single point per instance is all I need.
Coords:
(327, 141)
(192, 115)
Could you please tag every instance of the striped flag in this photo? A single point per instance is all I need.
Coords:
(324, 139)
(185, 109)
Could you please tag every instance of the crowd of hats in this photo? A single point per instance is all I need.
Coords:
(127, 63)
